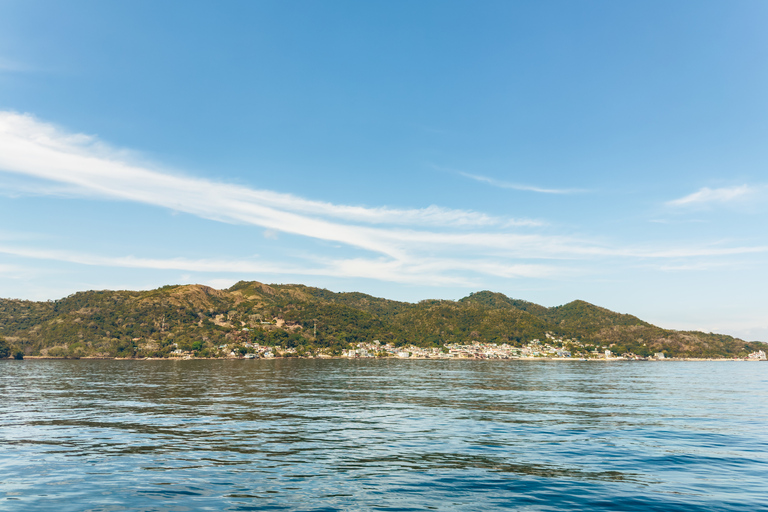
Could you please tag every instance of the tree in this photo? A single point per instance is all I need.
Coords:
(5, 350)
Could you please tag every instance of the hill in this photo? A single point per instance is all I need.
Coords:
(208, 323)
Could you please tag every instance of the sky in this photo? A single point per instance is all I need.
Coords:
(613, 152)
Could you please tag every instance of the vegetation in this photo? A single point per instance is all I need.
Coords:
(5, 350)
(302, 320)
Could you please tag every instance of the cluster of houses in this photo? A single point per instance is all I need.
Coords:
(552, 347)
(260, 351)
(253, 351)
(473, 350)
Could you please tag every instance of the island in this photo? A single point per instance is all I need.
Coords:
(254, 320)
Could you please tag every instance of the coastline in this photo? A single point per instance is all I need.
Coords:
(563, 359)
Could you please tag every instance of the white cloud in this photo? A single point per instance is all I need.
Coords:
(517, 186)
(40, 150)
(705, 265)
(80, 162)
(706, 195)
(428, 271)
(432, 245)
(10, 270)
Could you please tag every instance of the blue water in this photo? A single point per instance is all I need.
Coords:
(383, 435)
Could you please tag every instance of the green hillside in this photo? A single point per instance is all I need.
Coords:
(210, 323)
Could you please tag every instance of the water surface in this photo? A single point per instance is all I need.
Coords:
(383, 435)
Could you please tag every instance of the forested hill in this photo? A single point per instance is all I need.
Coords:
(202, 320)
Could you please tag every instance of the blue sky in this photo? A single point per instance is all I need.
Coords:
(608, 151)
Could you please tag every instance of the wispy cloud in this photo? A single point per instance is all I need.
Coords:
(517, 186)
(428, 271)
(691, 251)
(707, 196)
(433, 245)
(82, 163)
(41, 150)
(696, 266)
(10, 270)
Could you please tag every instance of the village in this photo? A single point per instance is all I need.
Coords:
(551, 348)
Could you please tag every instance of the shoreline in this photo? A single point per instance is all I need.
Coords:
(565, 359)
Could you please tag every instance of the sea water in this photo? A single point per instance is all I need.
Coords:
(303, 434)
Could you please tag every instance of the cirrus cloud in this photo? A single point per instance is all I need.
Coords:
(434, 245)
(707, 196)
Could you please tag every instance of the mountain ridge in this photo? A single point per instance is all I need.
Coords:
(200, 319)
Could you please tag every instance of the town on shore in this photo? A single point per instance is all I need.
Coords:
(255, 320)
(551, 348)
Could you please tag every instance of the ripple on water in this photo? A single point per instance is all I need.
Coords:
(382, 435)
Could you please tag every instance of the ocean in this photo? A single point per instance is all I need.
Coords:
(389, 435)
